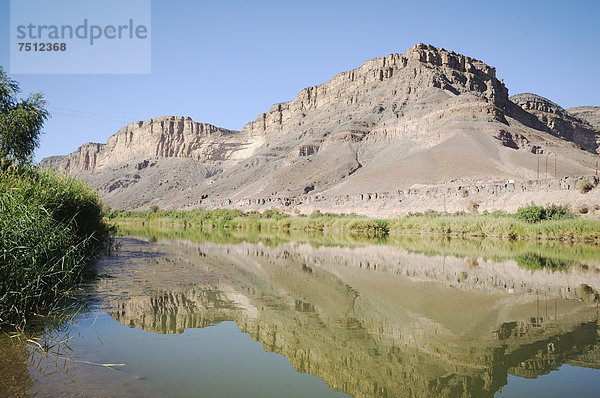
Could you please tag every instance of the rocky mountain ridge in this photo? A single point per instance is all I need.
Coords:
(164, 137)
(589, 114)
(424, 117)
(560, 122)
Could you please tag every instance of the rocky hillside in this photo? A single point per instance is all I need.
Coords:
(164, 137)
(425, 117)
(589, 114)
(568, 126)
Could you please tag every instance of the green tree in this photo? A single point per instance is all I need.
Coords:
(21, 121)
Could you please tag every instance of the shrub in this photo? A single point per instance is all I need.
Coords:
(583, 209)
(315, 214)
(584, 186)
(531, 213)
(274, 213)
(154, 208)
(498, 213)
(558, 212)
(371, 226)
(534, 213)
(69, 200)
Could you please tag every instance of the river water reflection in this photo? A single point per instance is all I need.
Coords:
(189, 313)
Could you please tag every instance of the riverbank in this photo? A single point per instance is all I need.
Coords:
(51, 229)
(532, 222)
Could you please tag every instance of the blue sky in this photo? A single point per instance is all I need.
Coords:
(225, 62)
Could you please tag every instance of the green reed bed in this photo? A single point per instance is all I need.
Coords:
(509, 227)
(51, 228)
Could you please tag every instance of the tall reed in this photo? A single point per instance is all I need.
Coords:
(51, 228)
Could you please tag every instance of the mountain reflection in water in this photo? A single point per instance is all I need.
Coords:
(369, 320)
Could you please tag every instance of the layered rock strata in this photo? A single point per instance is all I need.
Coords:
(425, 117)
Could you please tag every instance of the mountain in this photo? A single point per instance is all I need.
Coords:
(425, 118)
(163, 137)
(559, 122)
(589, 114)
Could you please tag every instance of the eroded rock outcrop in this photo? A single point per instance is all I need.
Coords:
(560, 122)
(159, 137)
(376, 94)
(589, 114)
(424, 117)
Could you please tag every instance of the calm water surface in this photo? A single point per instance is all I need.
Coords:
(183, 313)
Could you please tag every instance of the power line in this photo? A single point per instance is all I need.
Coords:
(90, 118)
(86, 112)
(63, 112)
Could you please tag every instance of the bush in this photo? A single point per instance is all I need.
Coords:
(584, 186)
(558, 212)
(531, 213)
(370, 226)
(583, 209)
(154, 208)
(316, 214)
(274, 213)
(534, 213)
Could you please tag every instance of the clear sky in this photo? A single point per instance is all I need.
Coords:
(225, 62)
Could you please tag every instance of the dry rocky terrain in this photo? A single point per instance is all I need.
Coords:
(429, 122)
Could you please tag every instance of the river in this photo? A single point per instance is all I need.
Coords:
(232, 314)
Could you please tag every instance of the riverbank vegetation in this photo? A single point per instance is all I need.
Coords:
(555, 222)
(51, 226)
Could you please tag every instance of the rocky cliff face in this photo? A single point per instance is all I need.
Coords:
(377, 95)
(159, 137)
(589, 114)
(425, 117)
(559, 122)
